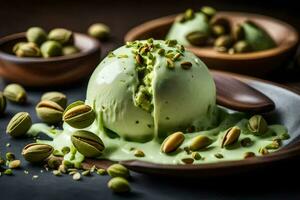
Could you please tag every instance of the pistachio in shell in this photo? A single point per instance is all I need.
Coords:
(61, 35)
(36, 35)
(69, 50)
(57, 97)
(223, 41)
(257, 125)
(242, 47)
(208, 11)
(19, 124)
(231, 136)
(99, 31)
(172, 142)
(49, 112)
(28, 50)
(51, 49)
(119, 185)
(200, 142)
(15, 93)
(36, 153)
(118, 170)
(87, 143)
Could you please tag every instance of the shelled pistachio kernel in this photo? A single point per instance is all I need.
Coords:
(263, 151)
(99, 31)
(8, 172)
(139, 153)
(242, 47)
(28, 49)
(231, 136)
(76, 176)
(219, 155)
(57, 97)
(49, 112)
(186, 65)
(189, 14)
(65, 150)
(14, 164)
(56, 173)
(19, 124)
(69, 50)
(36, 153)
(223, 41)
(51, 49)
(249, 155)
(197, 38)
(172, 142)
(196, 156)
(10, 156)
(86, 173)
(274, 145)
(257, 125)
(208, 11)
(118, 170)
(2, 103)
(119, 185)
(200, 142)
(78, 115)
(187, 160)
(15, 93)
(87, 143)
(246, 142)
(218, 30)
(101, 172)
(61, 35)
(62, 168)
(36, 35)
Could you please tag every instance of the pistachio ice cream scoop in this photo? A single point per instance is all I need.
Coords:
(148, 89)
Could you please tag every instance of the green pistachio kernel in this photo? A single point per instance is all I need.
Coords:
(197, 38)
(51, 49)
(242, 47)
(101, 172)
(87, 143)
(36, 35)
(15, 93)
(19, 124)
(208, 11)
(118, 170)
(119, 185)
(8, 172)
(10, 156)
(200, 142)
(99, 31)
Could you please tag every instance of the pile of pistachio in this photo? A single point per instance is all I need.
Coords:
(58, 42)
(244, 37)
(53, 109)
(257, 125)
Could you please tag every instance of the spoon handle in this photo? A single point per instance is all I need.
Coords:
(237, 95)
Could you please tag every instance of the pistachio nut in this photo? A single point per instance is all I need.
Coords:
(172, 142)
(2, 103)
(242, 47)
(231, 136)
(36, 153)
(51, 49)
(238, 33)
(118, 170)
(16, 46)
(200, 142)
(224, 22)
(118, 185)
(218, 30)
(246, 142)
(61, 35)
(223, 41)
(14, 164)
(186, 65)
(49, 111)
(139, 153)
(263, 151)
(28, 49)
(8, 172)
(197, 38)
(284, 136)
(19, 124)
(208, 11)
(76, 176)
(69, 50)
(274, 145)
(79, 115)
(188, 14)
(10, 156)
(54, 162)
(249, 155)
(101, 172)
(257, 125)
(36, 35)
(65, 150)
(2, 161)
(187, 160)
(87, 143)
(196, 156)
(57, 97)
(99, 31)
(219, 155)
(15, 93)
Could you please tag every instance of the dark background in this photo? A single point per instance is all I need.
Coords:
(278, 181)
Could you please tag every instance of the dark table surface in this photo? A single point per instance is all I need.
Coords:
(278, 181)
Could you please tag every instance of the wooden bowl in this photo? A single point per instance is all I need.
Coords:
(255, 63)
(38, 72)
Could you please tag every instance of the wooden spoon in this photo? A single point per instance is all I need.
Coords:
(237, 95)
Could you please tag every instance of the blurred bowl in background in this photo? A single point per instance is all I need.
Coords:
(42, 72)
(255, 63)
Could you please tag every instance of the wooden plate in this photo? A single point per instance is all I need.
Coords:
(39, 72)
(256, 63)
(287, 109)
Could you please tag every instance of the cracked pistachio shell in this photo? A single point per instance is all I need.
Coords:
(200, 142)
(28, 49)
(78, 115)
(118, 170)
(231, 136)
(57, 97)
(49, 112)
(257, 125)
(19, 124)
(172, 142)
(118, 185)
(2, 103)
(15, 93)
(36, 35)
(99, 31)
(87, 143)
(61, 35)
(36, 153)
(51, 49)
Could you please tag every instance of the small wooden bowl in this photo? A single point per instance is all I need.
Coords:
(39, 72)
(256, 63)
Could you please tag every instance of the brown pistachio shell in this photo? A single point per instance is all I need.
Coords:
(49, 112)
(36, 153)
(172, 142)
